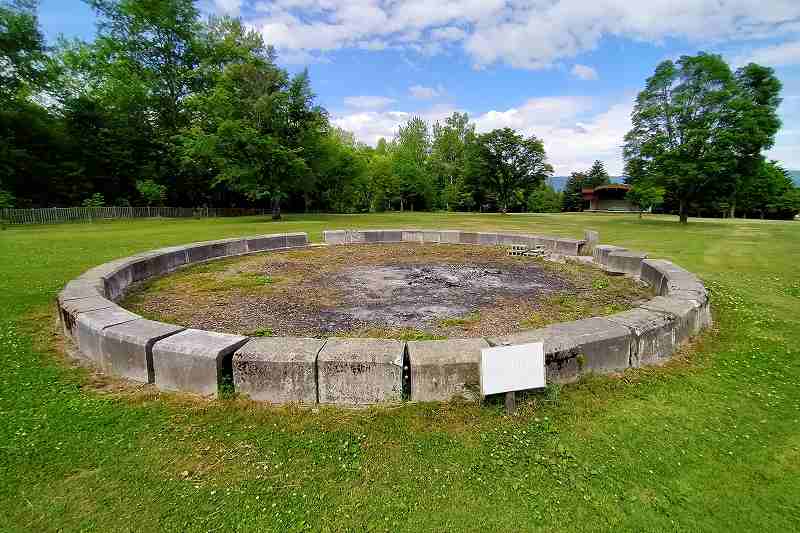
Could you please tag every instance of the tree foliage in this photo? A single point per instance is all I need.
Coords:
(698, 129)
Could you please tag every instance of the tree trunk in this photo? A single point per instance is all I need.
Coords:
(733, 208)
(640, 213)
(276, 208)
(683, 212)
(402, 205)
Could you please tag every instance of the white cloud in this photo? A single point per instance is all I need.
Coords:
(774, 56)
(368, 102)
(228, 7)
(574, 134)
(584, 72)
(420, 92)
(521, 33)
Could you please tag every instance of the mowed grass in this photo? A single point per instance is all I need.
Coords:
(711, 442)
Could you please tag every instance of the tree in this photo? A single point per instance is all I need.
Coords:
(596, 176)
(754, 125)
(645, 196)
(681, 137)
(572, 199)
(95, 200)
(508, 163)
(410, 156)
(447, 160)
(545, 199)
(151, 192)
(23, 61)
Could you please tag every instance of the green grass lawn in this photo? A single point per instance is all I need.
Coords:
(711, 442)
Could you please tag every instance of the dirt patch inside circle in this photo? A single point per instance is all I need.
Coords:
(406, 291)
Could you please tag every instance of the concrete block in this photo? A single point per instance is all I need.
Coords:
(360, 371)
(158, 263)
(442, 370)
(601, 252)
(549, 243)
(118, 280)
(568, 246)
(335, 236)
(431, 236)
(126, 349)
(487, 239)
(296, 240)
(685, 314)
(214, 249)
(414, 235)
(89, 328)
(78, 289)
(592, 239)
(654, 334)
(70, 309)
(392, 235)
(260, 243)
(573, 348)
(508, 239)
(194, 361)
(629, 263)
(278, 369)
(468, 237)
(653, 273)
(450, 237)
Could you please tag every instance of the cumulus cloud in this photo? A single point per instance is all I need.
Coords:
(583, 72)
(574, 133)
(420, 92)
(521, 33)
(779, 55)
(368, 102)
(228, 7)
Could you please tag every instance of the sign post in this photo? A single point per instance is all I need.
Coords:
(508, 369)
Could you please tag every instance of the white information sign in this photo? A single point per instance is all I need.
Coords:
(512, 368)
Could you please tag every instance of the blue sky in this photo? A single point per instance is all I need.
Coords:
(564, 70)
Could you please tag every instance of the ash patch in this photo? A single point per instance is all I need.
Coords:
(417, 296)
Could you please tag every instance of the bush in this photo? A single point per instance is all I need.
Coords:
(545, 199)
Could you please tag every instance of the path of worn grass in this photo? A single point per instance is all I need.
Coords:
(711, 442)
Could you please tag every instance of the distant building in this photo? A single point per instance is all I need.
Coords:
(608, 198)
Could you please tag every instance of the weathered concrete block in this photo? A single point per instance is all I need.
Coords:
(487, 239)
(654, 335)
(194, 361)
(118, 280)
(78, 289)
(126, 349)
(158, 262)
(509, 239)
(549, 243)
(335, 236)
(442, 370)
(278, 369)
(431, 236)
(414, 235)
(260, 243)
(568, 246)
(629, 263)
(573, 348)
(450, 237)
(601, 252)
(214, 249)
(653, 273)
(89, 328)
(296, 240)
(360, 371)
(686, 315)
(70, 309)
(592, 239)
(392, 235)
(468, 237)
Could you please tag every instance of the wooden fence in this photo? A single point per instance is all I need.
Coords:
(55, 215)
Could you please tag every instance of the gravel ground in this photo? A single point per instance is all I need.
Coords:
(401, 290)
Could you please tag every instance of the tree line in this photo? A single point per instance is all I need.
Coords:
(166, 107)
